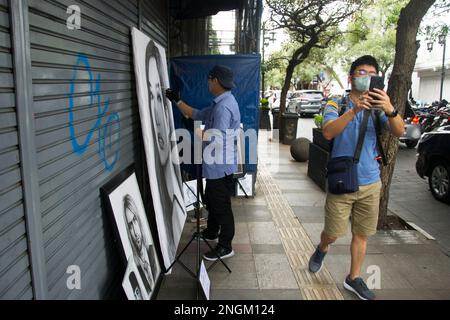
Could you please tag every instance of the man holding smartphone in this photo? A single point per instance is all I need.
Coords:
(363, 205)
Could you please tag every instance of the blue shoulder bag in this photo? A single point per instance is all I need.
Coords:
(342, 172)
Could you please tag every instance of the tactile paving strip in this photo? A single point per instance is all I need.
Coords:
(296, 243)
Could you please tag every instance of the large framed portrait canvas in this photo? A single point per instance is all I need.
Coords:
(159, 142)
(124, 202)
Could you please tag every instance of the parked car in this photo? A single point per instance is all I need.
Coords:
(306, 102)
(413, 128)
(434, 162)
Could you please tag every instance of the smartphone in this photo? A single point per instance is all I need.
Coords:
(376, 83)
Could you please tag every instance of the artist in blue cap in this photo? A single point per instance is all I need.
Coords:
(223, 117)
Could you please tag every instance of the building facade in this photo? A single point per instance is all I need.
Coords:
(69, 122)
(428, 73)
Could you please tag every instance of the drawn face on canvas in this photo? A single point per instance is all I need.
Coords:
(133, 223)
(159, 110)
(137, 294)
(135, 286)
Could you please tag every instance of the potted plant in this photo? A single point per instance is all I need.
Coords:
(318, 137)
(318, 121)
(264, 119)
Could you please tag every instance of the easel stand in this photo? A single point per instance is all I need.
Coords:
(198, 237)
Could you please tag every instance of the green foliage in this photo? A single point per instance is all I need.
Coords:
(275, 78)
(304, 73)
(310, 24)
(318, 120)
(431, 31)
(264, 104)
(372, 31)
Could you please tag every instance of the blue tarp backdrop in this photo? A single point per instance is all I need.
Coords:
(189, 76)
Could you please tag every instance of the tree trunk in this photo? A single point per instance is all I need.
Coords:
(405, 59)
(297, 58)
(287, 84)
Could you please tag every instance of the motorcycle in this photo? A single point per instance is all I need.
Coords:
(436, 116)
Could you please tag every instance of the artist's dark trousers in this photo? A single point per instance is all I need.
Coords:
(218, 203)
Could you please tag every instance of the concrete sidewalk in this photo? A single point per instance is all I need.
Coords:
(277, 231)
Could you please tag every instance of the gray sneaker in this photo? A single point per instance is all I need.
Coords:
(359, 287)
(316, 261)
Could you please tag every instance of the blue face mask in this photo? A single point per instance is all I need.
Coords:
(361, 84)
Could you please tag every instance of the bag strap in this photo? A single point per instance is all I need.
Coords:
(379, 132)
(362, 135)
(343, 105)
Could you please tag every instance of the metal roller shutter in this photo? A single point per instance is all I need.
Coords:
(86, 132)
(154, 21)
(15, 274)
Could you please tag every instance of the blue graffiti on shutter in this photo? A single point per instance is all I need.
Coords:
(105, 134)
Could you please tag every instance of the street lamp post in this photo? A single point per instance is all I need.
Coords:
(265, 44)
(443, 42)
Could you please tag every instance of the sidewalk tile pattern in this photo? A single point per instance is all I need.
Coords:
(296, 243)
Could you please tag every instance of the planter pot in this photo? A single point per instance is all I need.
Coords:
(317, 165)
(319, 140)
(289, 125)
(264, 119)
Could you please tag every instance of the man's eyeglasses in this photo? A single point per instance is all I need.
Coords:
(363, 72)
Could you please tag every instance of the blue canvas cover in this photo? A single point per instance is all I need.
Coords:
(189, 76)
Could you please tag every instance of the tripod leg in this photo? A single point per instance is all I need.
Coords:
(187, 269)
(177, 259)
(221, 261)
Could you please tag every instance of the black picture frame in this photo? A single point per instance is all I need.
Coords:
(105, 192)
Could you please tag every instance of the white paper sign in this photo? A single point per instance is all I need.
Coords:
(245, 183)
(204, 280)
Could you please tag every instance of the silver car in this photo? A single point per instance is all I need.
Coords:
(306, 102)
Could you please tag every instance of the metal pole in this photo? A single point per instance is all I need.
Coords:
(443, 70)
(259, 9)
(264, 63)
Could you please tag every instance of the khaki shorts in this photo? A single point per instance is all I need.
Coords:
(363, 207)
